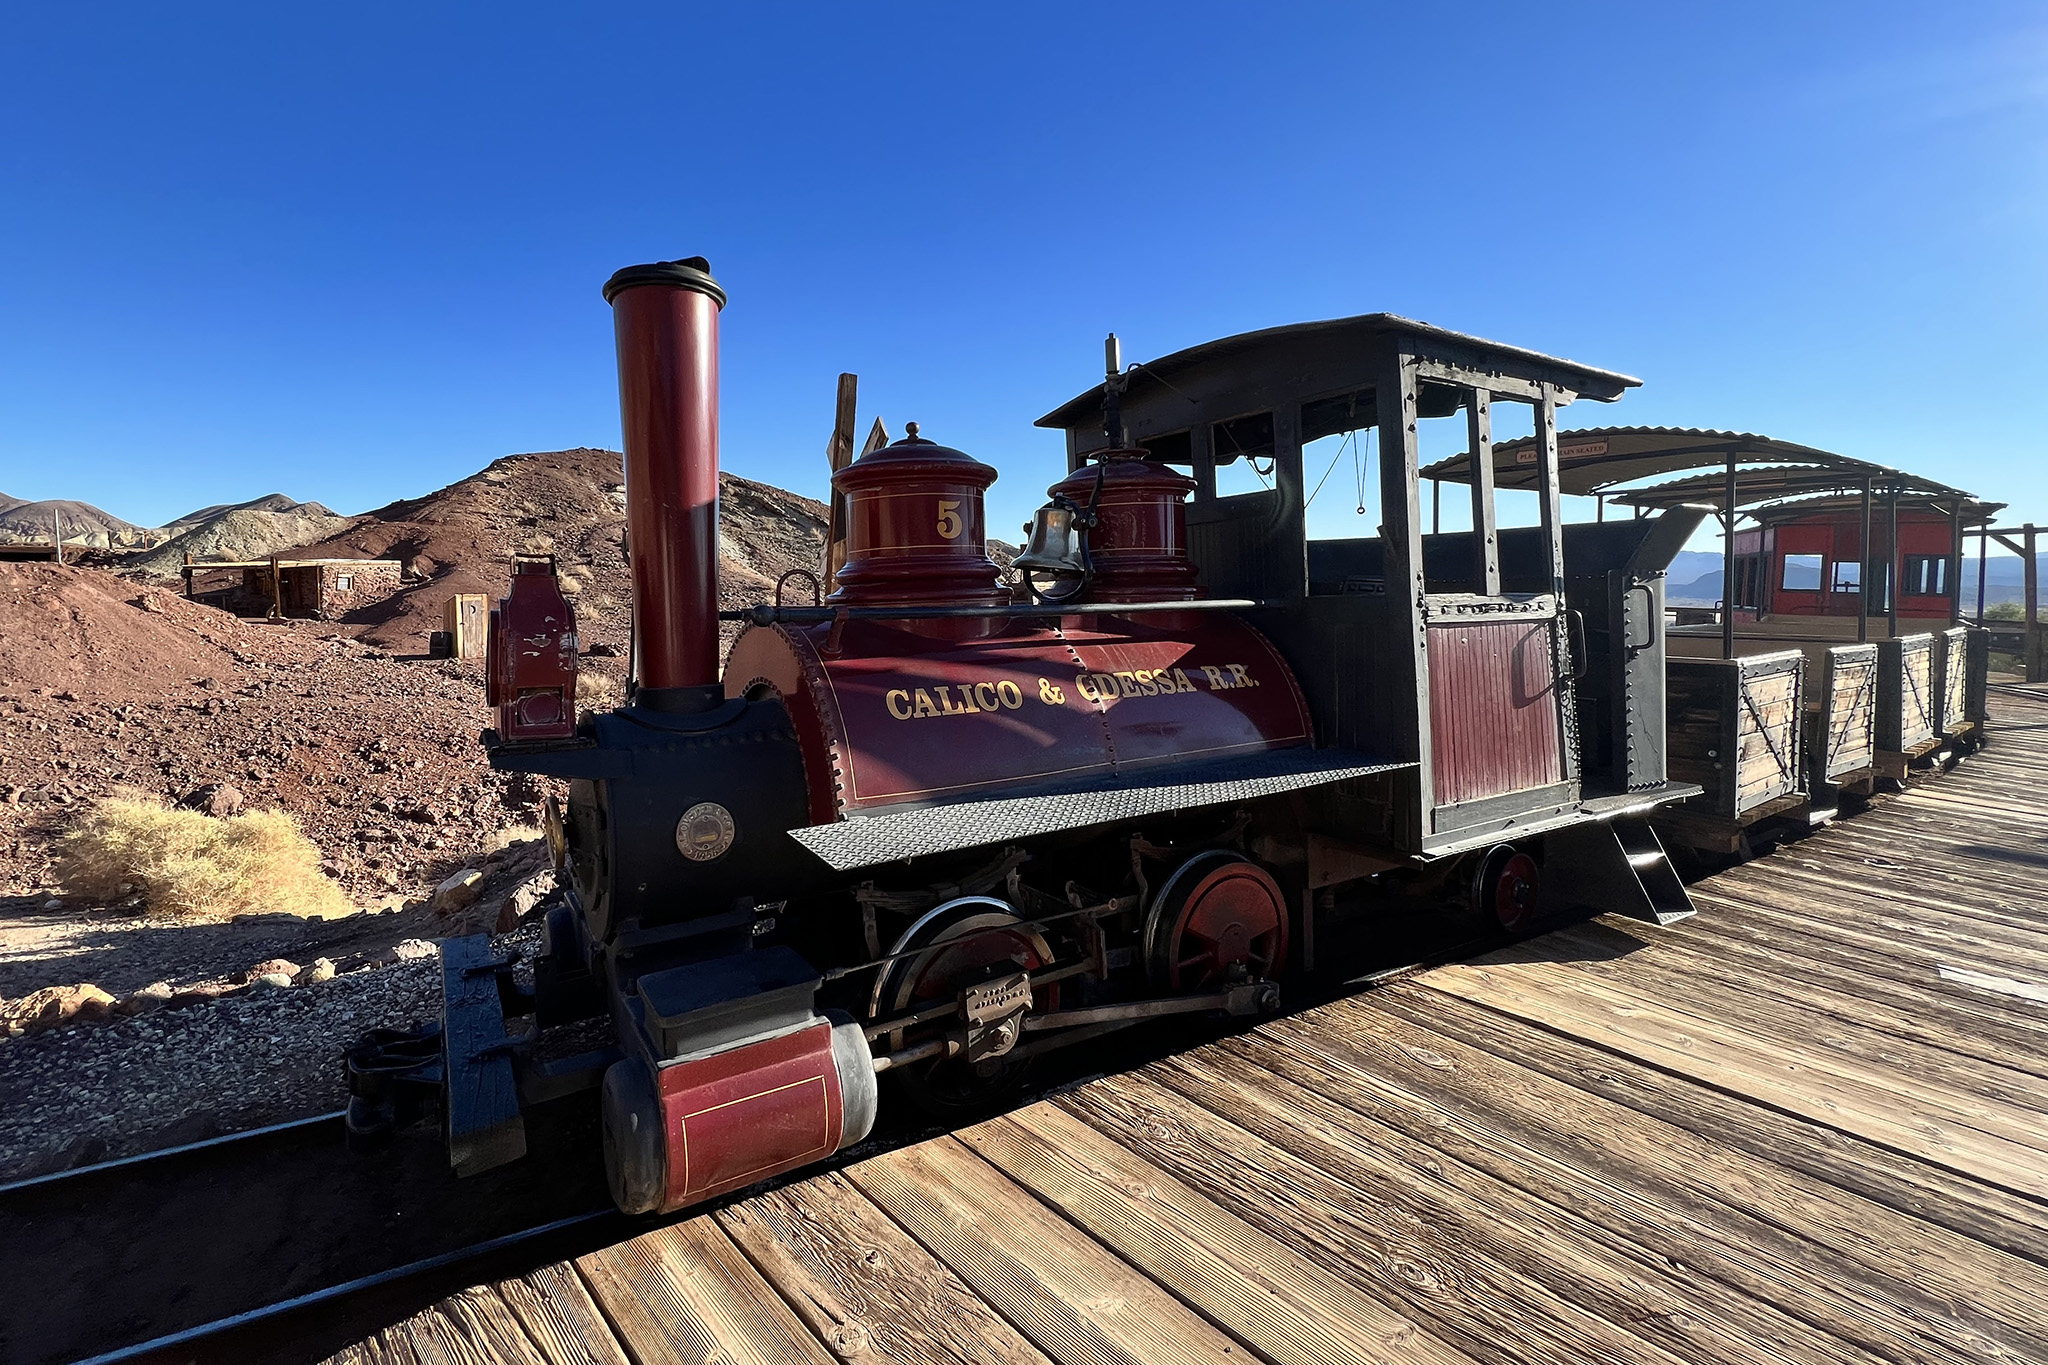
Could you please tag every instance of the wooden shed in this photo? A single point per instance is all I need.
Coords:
(318, 589)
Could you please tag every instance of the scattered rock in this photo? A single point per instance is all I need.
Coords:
(271, 981)
(602, 650)
(458, 892)
(271, 966)
(320, 970)
(148, 1000)
(217, 798)
(204, 993)
(522, 901)
(54, 1005)
(409, 950)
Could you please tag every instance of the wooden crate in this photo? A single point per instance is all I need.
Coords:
(1733, 726)
(1951, 676)
(1906, 700)
(1845, 714)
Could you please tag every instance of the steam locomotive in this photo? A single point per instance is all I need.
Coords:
(910, 836)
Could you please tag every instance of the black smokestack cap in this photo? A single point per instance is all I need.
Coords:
(692, 272)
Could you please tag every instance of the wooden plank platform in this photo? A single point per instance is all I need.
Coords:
(1808, 1125)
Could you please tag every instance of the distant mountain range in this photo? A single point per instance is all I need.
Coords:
(1695, 578)
(83, 524)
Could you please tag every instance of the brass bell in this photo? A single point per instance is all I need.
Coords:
(1054, 564)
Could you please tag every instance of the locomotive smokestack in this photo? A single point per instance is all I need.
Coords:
(666, 319)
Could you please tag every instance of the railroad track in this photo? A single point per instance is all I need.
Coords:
(279, 1243)
(130, 1258)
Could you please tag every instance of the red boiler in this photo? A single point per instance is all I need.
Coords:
(892, 717)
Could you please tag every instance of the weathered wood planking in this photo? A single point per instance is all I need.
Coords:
(1734, 726)
(1809, 1125)
(1905, 693)
(863, 1284)
(1846, 716)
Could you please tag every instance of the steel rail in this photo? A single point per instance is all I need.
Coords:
(165, 1153)
(338, 1291)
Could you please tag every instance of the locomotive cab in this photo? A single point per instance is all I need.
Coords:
(1456, 655)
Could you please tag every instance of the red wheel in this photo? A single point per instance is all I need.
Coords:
(965, 941)
(1508, 884)
(1218, 915)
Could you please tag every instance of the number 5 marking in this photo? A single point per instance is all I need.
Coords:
(949, 519)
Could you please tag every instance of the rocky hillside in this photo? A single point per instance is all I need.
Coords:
(569, 503)
(269, 502)
(83, 523)
(256, 530)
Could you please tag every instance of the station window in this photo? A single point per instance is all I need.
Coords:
(1848, 575)
(342, 582)
(1801, 573)
(1749, 574)
(1925, 576)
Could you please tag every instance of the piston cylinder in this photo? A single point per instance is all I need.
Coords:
(665, 316)
(694, 1128)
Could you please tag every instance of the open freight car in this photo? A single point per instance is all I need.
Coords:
(939, 822)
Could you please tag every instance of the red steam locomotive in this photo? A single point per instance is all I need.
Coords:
(940, 823)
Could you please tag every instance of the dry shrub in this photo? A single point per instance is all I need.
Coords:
(597, 691)
(501, 839)
(195, 866)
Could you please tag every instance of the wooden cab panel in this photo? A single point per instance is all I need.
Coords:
(1493, 708)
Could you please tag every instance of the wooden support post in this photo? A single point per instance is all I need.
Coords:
(1551, 504)
(1983, 555)
(2030, 629)
(1955, 562)
(1407, 660)
(1436, 506)
(57, 531)
(1728, 561)
(276, 588)
(1892, 569)
(1863, 574)
(1485, 534)
(838, 455)
(1599, 507)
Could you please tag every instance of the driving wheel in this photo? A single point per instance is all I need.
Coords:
(960, 944)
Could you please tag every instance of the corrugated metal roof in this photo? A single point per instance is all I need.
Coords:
(1082, 410)
(1600, 460)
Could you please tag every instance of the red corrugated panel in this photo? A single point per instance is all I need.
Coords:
(1492, 709)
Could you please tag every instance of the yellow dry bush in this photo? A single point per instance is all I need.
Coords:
(195, 866)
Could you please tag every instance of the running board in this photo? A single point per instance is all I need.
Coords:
(1614, 867)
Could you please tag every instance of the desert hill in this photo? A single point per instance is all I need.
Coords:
(84, 524)
(569, 503)
(243, 531)
(269, 502)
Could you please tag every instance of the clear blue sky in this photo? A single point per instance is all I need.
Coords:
(353, 252)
